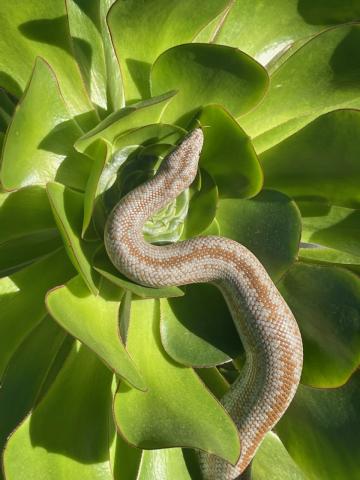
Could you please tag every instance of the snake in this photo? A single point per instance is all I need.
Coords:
(270, 375)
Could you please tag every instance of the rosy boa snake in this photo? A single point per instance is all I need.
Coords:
(267, 328)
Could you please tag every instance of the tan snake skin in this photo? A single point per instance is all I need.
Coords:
(267, 328)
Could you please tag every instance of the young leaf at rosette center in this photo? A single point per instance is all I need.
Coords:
(25, 374)
(176, 410)
(319, 77)
(22, 299)
(321, 429)
(326, 304)
(48, 132)
(269, 225)
(319, 162)
(204, 74)
(28, 230)
(197, 329)
(174, 25)
(133, 116)
(228, 154)
(67, 435)
(68, 209)
(94, 321)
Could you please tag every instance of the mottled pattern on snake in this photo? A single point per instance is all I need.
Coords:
(266, 326)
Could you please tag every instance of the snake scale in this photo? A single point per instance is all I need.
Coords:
(266, 326)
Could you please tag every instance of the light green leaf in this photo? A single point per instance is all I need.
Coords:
(320, 162)
(319, 77)
(85, 29)
(67, 435)
(326, 304)
(134, 116)
(167, 415)
(273, 462)
(25, 374)
(331, 226)
(40, 29)
(28, 230)
(269, 225)
(202, 321)
(22, 299)
(204, 74)
(103, 265)
(67, 206)
(45, 151)
(228, 154)
(165, 464)
(321, 428)
(174, 25)
(326, 256)
(94, 321)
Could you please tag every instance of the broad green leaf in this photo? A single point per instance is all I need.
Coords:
(213, 379)
(165, 464)
(204, 74)
(331, 226)
(150, 134)
(6, 103)
(265, 30)
(47, 132)
(121, 121)
(28, 230)
(85, 29)
(103, 265)
(326, 304)
(273, 462)
(25, 374)
(202, 207)
(326, 256)
(269, 225)
(176, 410)
(228, 154)
(67, 206)
(174, 25)
(22, 299)
(319, 162)
(319, 77)
(67, 435)
(321, 428)
(197, 329)
(40, 29)
(94, 321)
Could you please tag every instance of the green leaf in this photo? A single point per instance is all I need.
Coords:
(150, 134)
(202, 208)
(273, 462)
(331, 226)
(204, 74)
(167, 415)
(85, 29)
(319, 77)
(67, 206)
(121, 121)
(174, 25)
(67, 435)
(22, 300)
(103, 265)
(319, 162)
(228, 154)
(167, 463)
(47, 132)
(321, 428)
(40, 29)
(25, 374)
(22, 242)
(202, 321)
(269, 225)
(326, 304)
(94, 321)
(326, 256)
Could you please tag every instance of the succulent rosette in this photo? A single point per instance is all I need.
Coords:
(104, 379)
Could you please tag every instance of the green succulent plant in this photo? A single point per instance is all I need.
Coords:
(104, 379)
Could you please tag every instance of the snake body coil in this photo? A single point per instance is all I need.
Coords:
(266, 326)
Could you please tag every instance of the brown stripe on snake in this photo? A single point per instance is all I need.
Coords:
(266, 326)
